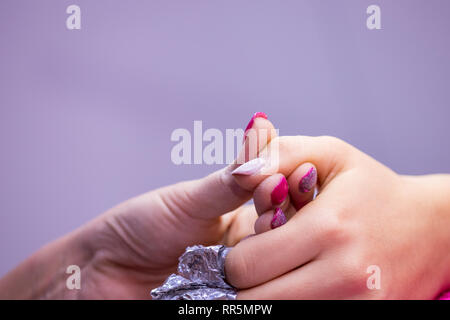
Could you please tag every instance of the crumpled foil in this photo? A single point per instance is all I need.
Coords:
(201, 276)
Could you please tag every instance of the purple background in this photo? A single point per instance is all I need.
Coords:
(86, 116)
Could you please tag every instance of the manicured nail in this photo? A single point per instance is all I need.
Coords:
(280, 192)
(250, 168)
(252, 120)
(308, 181)
(278, 219)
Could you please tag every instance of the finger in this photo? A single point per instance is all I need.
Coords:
(271, 199)
(264, 221)
(271, 193)
(302, 183)
(284, 154)
(270, 254)
(258, 133)
(241, 225)
(273, 219)
(217, 193)
(270, 220)
(312, 281)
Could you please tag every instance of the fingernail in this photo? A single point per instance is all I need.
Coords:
(280, 192)
(278, 219)
(252, 120)
(250, 168)
(308, 181)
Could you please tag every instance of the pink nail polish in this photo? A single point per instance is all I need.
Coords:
(308, 181)
(278, 219)
(280, 192)
(252, 120)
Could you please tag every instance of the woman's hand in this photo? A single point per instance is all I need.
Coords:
(366, 218)
(134, 247)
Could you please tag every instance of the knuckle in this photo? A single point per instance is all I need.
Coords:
(352, 273)
(331, 229)
(335, 226)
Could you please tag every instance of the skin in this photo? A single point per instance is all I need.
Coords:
(365, 214)
(133, 247)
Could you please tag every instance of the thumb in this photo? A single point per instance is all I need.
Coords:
(217, 193)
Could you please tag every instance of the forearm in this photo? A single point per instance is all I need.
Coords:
(43, 275)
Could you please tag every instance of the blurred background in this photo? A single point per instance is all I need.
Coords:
(86, 115)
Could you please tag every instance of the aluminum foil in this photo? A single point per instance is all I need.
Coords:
(200, 276)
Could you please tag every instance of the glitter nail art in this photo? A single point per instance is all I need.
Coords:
(308, 181)
(278, 219)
